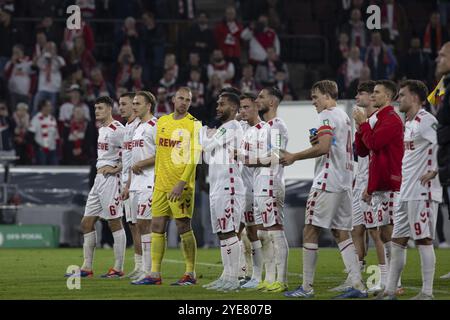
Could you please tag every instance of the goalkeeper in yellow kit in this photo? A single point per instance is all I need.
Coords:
(177, 153)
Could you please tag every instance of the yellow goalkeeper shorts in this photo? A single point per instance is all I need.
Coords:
(183, 208)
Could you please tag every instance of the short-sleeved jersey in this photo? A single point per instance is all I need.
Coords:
(127, 147)
(109, 145)
(224, 171)
(249, 149)
(143, 144)
(420, 157)
(178, 151)
(268, 179)
(334, 171)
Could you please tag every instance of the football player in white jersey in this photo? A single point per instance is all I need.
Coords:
(126, 112)
(329, 205)
(364, 217)
(420, 192)
(104, 198)
(269, 186)
(227, 191)
(143, 175)
(259, 240)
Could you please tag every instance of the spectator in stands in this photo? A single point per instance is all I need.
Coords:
(125, 61)
(416, 64)
(265, 72)
(283, 84)
(45, 134)
(163, 105)
(9, 36)
(168, 82)
(74, 147)
(170, 63)
(200, 38)
(349, 5)
(84, 32)
(121, 9)
(193, 63)
(353, 88)
(21, 120)
(247, 82)
(394, 21)
(50, 76)
(98, 86)
(6, 129)
(224, 69)
(52, 31)
(136, 82)
(39, 47)
(198, 94)
(351, 69)
(435, 36)
(128, 35)
(228, 37)
(152, 38)
(18, 74)
(260, 38)
(213, 91)
(66, 110)
(380, 58)
(356, 29)
(74, 76)
(83, 56)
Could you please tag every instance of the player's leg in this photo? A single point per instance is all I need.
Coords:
(257, 255)
(120, 243)
(358, 235)
(245, 264)
(131, 218)
(379, 249)
(423, 227)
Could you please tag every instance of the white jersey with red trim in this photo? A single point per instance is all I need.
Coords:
(143, 147)
(249, 149)
(127, 147)
(420, 157)
(270, 179)
(334, 171)
(109, 145)
(224, 171)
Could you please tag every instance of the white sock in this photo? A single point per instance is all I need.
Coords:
(268, 256)
(310, 251)
(90, 239)
(247, 254)
(120, 243)
(350, 258)
(427, 261)
(234, 253)
(226, 265)
(137, 262)
(387, 253)
(146, 243)
(281, 249)
(398, 261)
(242, 261)
(257, 260)
(383, 274)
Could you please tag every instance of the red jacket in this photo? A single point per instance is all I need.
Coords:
(229, 41)
(384, 143)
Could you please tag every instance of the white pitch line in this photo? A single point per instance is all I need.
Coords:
(294, 274)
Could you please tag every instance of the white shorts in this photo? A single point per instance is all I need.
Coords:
(226, 212)
(416, 220)
(251, 216)
(359, 207)
(127, 211)
(141, 205)
(329, 210)
(104, 198)
(270, 209)
(384, 205)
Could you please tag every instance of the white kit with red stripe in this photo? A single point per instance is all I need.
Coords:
(109, 145)
(143, 147)
(334, 171)
(227, 191)
(127, 147)
(420, 157)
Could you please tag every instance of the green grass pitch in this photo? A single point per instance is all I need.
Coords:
(38, 274)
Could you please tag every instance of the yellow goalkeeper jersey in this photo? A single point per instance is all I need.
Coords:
(178, 151)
